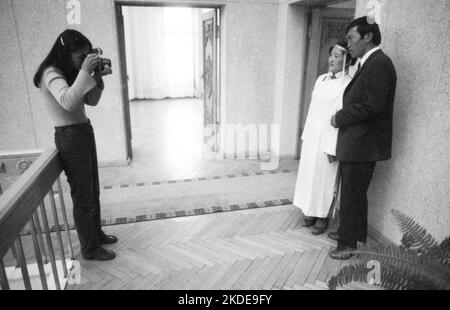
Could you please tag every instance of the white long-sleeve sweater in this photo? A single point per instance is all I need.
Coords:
(66, 103)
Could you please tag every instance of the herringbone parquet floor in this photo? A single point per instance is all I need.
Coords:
(251, 249)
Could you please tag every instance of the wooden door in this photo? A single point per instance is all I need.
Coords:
(210, 81)
(334, 24)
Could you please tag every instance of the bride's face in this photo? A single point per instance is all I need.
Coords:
(336, 60)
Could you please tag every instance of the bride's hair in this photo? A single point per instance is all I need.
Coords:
(343, 44)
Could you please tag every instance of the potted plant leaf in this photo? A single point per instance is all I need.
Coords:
(419, 263)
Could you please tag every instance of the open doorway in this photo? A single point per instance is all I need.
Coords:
(170, 70)
(327, 25)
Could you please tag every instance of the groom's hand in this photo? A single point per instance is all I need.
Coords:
(331, 158)
(333, 121)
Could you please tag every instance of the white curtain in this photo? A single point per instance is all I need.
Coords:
(163, 47)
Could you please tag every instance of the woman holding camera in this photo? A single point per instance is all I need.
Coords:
(69, 78)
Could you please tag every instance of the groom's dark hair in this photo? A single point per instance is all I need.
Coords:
(364, 27)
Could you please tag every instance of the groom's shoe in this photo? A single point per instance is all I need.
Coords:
(342, 252)
(107, 239)
(309, 221)
(99, 254)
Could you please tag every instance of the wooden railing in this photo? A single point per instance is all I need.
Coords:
(22, 210)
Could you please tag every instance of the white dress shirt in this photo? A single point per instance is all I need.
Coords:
(367, 55)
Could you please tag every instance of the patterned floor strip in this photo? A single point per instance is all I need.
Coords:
(179, 213)
(201, 179)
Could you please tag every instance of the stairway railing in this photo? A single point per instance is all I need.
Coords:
(23, 215)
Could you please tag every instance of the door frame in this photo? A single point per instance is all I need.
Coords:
(208, 16)
(316, 11)
(120, 34)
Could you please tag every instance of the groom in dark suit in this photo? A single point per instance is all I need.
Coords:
(365, 130)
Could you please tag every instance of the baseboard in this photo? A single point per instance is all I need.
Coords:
(114, 163)
(288, 158)
(280, 158)
(378, 236)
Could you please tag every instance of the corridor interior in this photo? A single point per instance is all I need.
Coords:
(169, 174)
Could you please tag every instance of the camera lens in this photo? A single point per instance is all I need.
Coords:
(105, 62)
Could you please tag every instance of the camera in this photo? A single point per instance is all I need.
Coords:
(103, 61)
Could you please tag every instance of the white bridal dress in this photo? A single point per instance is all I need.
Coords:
(316, 177)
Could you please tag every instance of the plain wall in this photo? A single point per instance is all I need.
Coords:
(290, 75)
(250, 66)
(416, 181)
(264, 44)
(16, 115)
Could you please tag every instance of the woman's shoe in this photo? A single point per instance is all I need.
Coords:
(309, 221)
(320, 227)
(107, 239)
(100, 254)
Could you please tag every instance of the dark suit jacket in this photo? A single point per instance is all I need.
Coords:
(365, 121)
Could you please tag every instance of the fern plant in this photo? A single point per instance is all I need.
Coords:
(419, 263)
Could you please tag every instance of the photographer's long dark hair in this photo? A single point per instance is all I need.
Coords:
(60, 55)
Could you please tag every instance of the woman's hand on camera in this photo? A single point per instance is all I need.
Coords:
(98, 79)
(90, 63)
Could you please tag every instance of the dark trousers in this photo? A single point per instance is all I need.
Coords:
(77, 151)
(356, 179)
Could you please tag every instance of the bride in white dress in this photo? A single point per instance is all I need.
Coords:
(318, 168)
